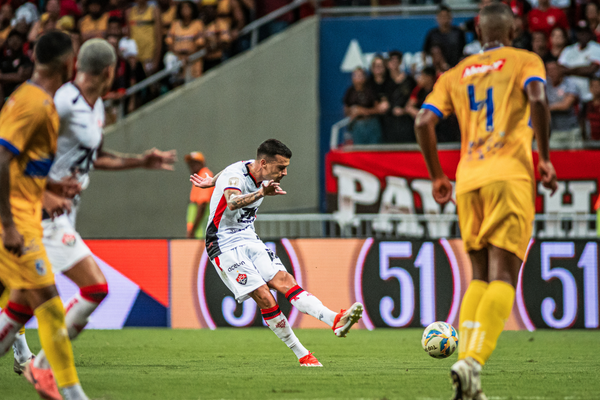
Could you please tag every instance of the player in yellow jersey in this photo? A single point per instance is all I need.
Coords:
(28, 140)
(499, 99)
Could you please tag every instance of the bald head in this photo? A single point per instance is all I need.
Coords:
(496, 23)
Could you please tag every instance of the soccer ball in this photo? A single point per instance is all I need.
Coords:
(440, 340)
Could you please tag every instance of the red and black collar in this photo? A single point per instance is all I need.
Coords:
(251, 176)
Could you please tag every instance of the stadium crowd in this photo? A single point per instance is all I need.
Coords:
(148, 35)
(382, 103)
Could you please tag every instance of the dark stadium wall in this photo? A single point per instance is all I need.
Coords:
(270, 92)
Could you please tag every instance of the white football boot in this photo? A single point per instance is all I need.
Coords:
(466, 380)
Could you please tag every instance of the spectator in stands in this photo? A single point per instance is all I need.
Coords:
(15, 67)
(168, 13)
(380, 82)
(95, 23)
(145, 28)
(25, 12)
(361, 105)
(123, 79)
(581, 60)
(449, 38)
(425, 81)
(397, 124)
(198, 210)
(248, 8)
(438, 61)
(522, 38)
(69, 7)
(593, 19)
(221, 33)
(447, 130)
(545, 17)
(117, 9)
(562, 96)
(539, 44)
(46, 22)
(186, 35)
(265, 7)
(592, 111)
(6, 14)
(559, 39)
(520, 8)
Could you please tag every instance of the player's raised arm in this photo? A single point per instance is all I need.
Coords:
(205, 182)
(236, 200)
(150, 159)
(540, 121)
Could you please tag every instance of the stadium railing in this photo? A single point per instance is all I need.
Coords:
(339, 135)
(396, 226)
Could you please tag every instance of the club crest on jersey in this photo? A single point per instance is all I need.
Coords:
(69, 239)
(280, 324)
(242, 279)
(483, 68)
(40, 267)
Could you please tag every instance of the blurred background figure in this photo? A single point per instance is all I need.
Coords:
(361, 105)
(592, 113)
(186, 36)
(562, 97)
(198, 210)
(145, 28)
(15, 67)
(95, 23)
(449, 38)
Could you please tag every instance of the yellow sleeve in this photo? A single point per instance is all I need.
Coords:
(532, 70)
(439, 100)
(19, 125)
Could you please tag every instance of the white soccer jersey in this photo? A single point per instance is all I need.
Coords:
(80, 134)
(227, 229)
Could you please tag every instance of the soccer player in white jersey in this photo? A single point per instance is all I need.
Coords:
(81, 111)
(244, 263)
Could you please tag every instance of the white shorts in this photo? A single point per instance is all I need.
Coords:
(64, 246)
(245, 268)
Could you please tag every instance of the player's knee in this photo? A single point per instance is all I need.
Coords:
(263, 297)
(95, 293)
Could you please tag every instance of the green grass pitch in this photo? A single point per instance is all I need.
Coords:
(253, 364)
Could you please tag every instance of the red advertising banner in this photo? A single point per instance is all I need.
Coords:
(393, 182)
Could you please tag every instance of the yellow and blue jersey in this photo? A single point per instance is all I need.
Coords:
(486, 92)
(29, 129)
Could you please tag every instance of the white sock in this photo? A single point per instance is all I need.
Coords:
(12, 318)
(74, 392)
(21, 349)
(309, 304)
(78, 311)
(281, 327)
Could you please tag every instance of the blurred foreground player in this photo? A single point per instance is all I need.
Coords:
(244, 263)
(81, 111)
(198, 209)
(28, 139)
(494, 94)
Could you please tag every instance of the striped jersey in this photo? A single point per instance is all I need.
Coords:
(228, 229)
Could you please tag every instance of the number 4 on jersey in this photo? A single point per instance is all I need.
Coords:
(478, 105)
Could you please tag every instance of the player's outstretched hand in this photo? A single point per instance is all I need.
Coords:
(156, 159)
(442, 190)
(68, 187)
(272, 188)
(548, 175)
(13, 241)
(204, 183)
(55, 205)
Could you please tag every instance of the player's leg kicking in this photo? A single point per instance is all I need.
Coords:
(250, 271)
(70, 256)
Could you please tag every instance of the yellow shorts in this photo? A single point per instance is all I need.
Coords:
(500, 214)
(30, 271)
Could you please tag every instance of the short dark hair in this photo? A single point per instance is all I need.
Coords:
(15, 32)
(496, 9)
(272, 148)
(193, 6)
(429, 71)
(51, 46)
(395, 53)
(443, 8)
(115, 19)
(595, 78)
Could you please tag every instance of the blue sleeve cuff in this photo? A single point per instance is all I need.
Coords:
(532, 79)
(8, 145)
(435, 110)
